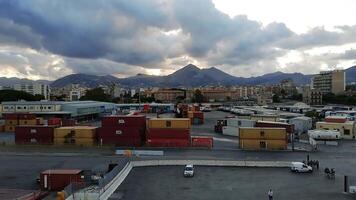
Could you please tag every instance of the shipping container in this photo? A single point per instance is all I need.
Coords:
(39, 121)
(289, 127)
(121, 141)
(11, 122)
(69, 122)
(230, 130)
(202, 141)
(270, 118)
(154, 133)
(237, 122)
(120, 131)
(54, 121)
(58, 179)
(336, 119)
(26, 116)
(28, 122)
(10, 128)
(197, 121)
(34, 134)
(75, 132)
(10, 116)
(169, 123)
(2, 128)
(75, 141)
(256, 144)
(124, 121)
(263, 133)
(168, 143)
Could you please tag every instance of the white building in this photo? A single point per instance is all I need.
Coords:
(34, 88)
(301, 124)
(74, 95)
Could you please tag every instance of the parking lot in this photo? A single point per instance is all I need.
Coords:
(227, 183)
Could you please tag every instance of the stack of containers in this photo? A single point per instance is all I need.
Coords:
(27, 119)
(233, 125)
(196, 117)
(39, 121)
(75, 135)
(168, 132)
(11, 121)
(121, 130)
(268, 124)
(34, 134)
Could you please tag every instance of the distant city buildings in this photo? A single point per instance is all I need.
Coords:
(330, 82)
(34, 89)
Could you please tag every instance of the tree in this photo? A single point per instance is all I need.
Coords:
(14, 95)
(96, 94)
(276, 99)
(198, 96)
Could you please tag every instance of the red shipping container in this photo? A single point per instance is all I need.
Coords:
(157, 133)
(121, 141)
(336, 119)
(124, 121)
(69, 122)
(203, 142)
(26, 116)
(58, 179)
(289, 127)
(168, 143)
(10, 116)
(120, 132)
(54, 121)
(34, 134)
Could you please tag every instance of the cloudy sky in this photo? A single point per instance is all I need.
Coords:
(42, 39)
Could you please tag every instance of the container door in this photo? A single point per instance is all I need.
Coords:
(45, 183)
(263, 145)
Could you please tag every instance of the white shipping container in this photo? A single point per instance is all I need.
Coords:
(236, 122)
(230, 130)
(324, 134)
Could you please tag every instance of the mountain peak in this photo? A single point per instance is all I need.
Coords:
(191, 67)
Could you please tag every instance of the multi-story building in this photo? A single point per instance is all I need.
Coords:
(168, 95)
(34, 88)
(215, 94)
(312, 96)
(330, 82)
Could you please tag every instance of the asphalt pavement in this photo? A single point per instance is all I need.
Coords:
(146, 183)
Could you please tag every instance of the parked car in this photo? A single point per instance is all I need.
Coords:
(188, 171)
(300, 167)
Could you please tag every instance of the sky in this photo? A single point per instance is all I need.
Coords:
(42, 39)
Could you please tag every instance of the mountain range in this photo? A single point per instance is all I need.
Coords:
(188, 76)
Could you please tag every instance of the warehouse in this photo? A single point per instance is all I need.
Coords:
(263, 138)
(80, 110)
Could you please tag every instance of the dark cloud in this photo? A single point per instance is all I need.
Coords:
(113, 35)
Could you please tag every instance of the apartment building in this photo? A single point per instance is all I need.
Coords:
(330, 82)
(34, 88)
(312, 96)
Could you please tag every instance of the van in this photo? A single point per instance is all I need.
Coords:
(300, 167)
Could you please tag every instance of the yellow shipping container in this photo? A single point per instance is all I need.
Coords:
(190, 114)
(263, 144)
(10, 128)
(28, 122)
(183, 123)
(11, 122)
(75, 132)
(75, 141)
(263, 133)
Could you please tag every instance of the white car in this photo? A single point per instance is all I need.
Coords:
(300, 167)
(188, 171)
